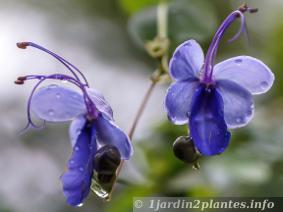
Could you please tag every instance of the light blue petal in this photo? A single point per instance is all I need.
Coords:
(100, 102)
(187, 61)
(56, 104)
(238, 103)
(109, 133)
(249, 72)
(75, 128)
(178, 101)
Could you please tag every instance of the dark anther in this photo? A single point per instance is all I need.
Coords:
(243, 8)
(19, 82)
(253, 10)
(22, 78)
(22, 45)
(107, 160)
(184, 149)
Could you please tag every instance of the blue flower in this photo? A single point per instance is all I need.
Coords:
(92, 124)
(214, 98)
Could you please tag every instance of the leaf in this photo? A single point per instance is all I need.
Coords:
(187, 19)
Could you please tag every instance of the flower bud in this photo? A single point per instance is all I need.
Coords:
(107, 160)
(184, 149)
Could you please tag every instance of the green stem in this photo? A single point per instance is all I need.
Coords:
(162, 22)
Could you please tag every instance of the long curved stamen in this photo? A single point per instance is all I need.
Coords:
(211, 53)
(91, 108)
(68, 65)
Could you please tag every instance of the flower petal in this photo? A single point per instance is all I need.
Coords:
(109, 133)
(77, 180)
(238, 103)
(100, 102)
(249, 72)
(56, 104)
(76, 128)
(186, 61)
(178, 101)
(207, 126)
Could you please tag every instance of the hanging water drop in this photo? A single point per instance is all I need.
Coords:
(80, 205)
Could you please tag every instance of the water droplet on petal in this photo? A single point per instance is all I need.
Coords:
(239, 120)
(51, 112)
(238, 61)
(81, 169)
(58, 95)
(72, 161)
(263, 84)
(208, 90)
(64, 81)
(77, 148)
(52, 86)
(75, 96)
(80, 205)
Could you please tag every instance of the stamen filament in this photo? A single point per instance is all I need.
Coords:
(67, 64)
(211, 53)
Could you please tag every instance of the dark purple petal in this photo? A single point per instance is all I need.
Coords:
(186, 61)
(77, 180)
(108, 132)
(178, 101)
(56, 104)
(250, 73)
(238, 103)
(207, 126)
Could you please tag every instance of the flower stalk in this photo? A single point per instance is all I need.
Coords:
(157, 49)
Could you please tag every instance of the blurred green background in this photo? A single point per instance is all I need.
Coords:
(105, 39)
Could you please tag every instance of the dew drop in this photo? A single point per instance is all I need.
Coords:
(51, 112)
(75, 96)
(238, 61)
(80, 205)
(263, 84)
(239, 120)
(52, 86)
(58, 96)
(208, 90)
(98, 189)
(72, 161)
(77, 148)
(81, 169)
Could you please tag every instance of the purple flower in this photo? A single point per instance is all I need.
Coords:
(214, 98)
(92, 124)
